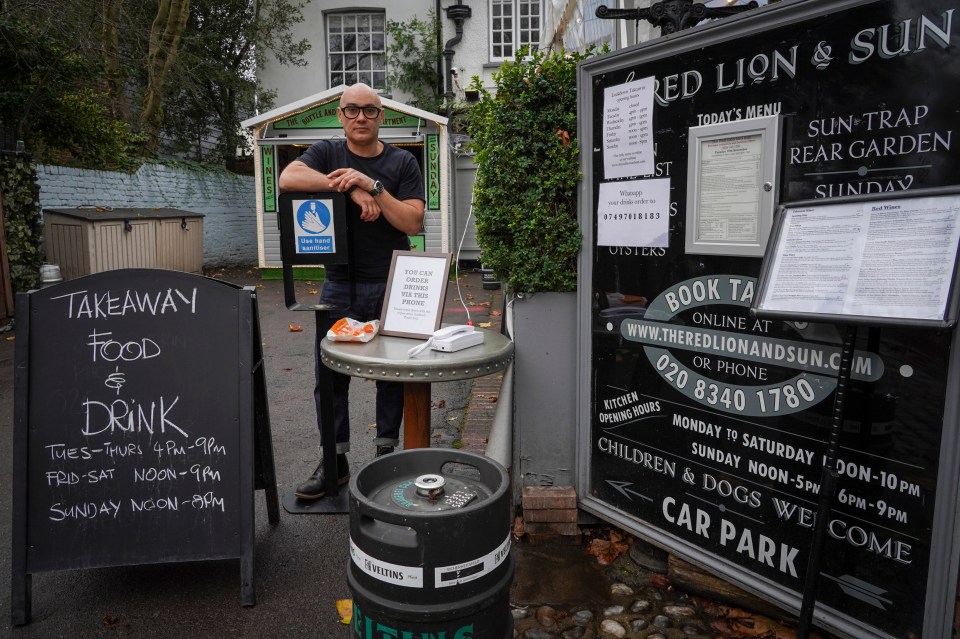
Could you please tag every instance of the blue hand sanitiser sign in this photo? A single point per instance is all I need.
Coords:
(314, 227)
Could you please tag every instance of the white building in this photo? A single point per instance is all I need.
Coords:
(349, 43)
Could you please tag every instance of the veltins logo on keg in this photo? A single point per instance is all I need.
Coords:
(314, 226)
(735, 344)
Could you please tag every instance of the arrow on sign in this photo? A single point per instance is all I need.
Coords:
(621, 487)
(859, 589)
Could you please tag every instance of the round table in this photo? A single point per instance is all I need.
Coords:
(385, 358)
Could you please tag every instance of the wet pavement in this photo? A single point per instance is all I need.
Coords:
(559, 591)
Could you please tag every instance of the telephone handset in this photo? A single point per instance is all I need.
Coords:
(452, 331)
(450, 339)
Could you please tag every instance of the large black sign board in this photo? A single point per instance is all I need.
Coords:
(139, 394)
(705, 428)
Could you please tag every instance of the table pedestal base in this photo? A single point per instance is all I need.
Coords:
(416, 415)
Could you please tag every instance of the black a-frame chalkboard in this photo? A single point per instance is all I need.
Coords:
(141, 426)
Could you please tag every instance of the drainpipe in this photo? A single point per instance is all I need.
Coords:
(458, 13)
(436, 12)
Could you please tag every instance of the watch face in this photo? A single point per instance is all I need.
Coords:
(377, 188)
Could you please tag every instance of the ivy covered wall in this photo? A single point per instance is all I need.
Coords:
(20, 198)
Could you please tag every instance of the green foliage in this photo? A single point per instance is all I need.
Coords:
(413, 51)
(46, 101)
(525, 194)
(20, 195)
(91, 137)
(213, 87)
(75, 72)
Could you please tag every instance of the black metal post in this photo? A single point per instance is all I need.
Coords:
(828, 485)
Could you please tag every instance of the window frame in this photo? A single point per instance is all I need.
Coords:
(515, 30)
(352, 75)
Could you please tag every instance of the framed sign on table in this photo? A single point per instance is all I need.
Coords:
(413, 304)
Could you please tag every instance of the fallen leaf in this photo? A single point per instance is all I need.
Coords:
(442, 403)
(518, 527)
(10, 339)
(312, 291)
(711, 608)
(495, 313)
(293, 328)
(493, 400)
(564, 137)
(345, 610)
(484, 324)
(748, 626)
(606, 551)
(659, 581)
(469, 296)
(109, 620)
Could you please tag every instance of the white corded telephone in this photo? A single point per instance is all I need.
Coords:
(450, 339)
(452, 331)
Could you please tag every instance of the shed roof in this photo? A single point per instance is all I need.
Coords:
(286, 110)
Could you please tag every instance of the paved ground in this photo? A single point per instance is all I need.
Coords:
(300, 563)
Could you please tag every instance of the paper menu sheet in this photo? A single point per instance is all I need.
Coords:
(891, 259)
(628, 129)
(730, 183)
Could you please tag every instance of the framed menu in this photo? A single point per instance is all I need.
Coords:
(731, 184)
(882, 259)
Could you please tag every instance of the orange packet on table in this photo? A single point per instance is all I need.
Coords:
(351, 330)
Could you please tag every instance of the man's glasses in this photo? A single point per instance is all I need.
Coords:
(369, 112)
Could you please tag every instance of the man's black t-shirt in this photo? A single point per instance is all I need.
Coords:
(372, 243)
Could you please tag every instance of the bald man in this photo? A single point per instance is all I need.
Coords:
(385, 196)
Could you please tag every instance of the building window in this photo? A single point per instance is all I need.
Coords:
(356, 49)
(513, 24)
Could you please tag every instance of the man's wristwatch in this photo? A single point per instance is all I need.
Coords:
(377, 188)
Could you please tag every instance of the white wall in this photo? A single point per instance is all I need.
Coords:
(294, 83)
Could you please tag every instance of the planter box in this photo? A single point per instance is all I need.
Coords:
(544, 390)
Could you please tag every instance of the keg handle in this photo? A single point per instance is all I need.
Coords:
(377, 530)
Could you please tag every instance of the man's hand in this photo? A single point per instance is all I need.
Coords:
(345, 179)
(357, 186)
(369, 207)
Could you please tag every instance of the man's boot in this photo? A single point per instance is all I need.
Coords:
(315, 486)
(384, 450)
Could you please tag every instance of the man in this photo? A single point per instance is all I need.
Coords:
(385, 205)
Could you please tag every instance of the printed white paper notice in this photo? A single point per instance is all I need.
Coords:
(890, 258)
(628, 129)
(731, 179)
(634, 213)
